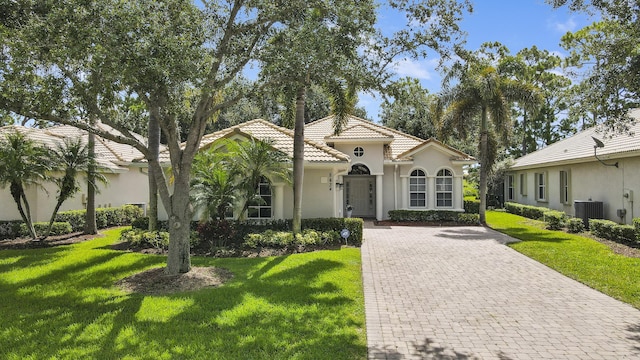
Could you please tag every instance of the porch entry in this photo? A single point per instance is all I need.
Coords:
(360, 192)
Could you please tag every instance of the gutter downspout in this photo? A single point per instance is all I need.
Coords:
(395, 187)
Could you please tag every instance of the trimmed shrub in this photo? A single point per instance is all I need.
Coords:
(224, 233)
(469, 219)
(105, 217)
(426, 215)
(528, 211)
(9, 229)
(58, 228)
(283, 239)
(145, 239)
(575, 225)
(472, 206)
(636, 225)
(555, 219)
(610, 230)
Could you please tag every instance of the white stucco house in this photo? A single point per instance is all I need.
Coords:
(127, 181)
(567, 176)
(368, 166)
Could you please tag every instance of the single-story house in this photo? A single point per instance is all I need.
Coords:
(591, 173)
(127, 181)
(368, 166)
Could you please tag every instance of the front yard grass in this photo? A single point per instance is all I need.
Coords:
(575, 256)
(61, 303)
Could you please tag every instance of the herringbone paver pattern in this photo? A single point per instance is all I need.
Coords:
(459, 293)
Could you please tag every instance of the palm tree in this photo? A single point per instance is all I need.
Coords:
(254, 160)
(22, 164)
(483, 94)
(70, 157)
(213, 186)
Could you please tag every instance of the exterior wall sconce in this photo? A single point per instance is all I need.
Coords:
(600, 144)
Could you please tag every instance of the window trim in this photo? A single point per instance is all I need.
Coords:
(358, 151)
(424, 185)
(263, 183)
(450, 192)
(510, 188)
(541, 186)
(565, 187)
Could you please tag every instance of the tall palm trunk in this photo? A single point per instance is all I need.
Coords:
(524, 133)
(25, 212)
(484, 168)
(298, 160)
(90, 226)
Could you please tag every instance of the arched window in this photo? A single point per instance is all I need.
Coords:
(418, 189)
(260, 207)
(444, 188)
(359, 169)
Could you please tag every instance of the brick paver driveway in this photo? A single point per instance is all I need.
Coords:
(459, 293)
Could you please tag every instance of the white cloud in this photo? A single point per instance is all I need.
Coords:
(563, 27)
(417, 69)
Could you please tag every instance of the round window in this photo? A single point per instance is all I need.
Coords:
(358, 152)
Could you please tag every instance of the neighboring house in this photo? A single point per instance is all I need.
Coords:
(127, 181)
(368, 166)
(567, 172)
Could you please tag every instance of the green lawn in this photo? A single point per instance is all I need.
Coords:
(61, 303)
(578, 257)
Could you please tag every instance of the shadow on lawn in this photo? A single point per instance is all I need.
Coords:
(274, 308)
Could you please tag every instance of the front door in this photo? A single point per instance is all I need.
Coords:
(360, 193)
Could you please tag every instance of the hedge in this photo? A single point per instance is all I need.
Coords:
(611, 230)
(528, 211)
(57, 228)
(555, 219)
(10, 229)
(105, 217)
(232, 233)
(435, 216)
(575, 225)
(283, 239)
(472, 206)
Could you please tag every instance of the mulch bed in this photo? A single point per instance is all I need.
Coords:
(51, 241)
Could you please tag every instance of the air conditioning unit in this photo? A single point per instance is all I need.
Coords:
(586, 210)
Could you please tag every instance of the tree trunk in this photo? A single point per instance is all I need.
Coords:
(53, 218)
(484, 167)
(90, 226)
(298, 160)
(154, 150)
(524, 133)
(25, 212)
(179, 259)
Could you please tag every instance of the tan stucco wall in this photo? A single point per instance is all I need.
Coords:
(588, 181)
(122, 188)
(373, 155)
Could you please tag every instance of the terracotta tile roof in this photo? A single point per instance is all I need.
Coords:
(455, 154)
(579, 147)
(109, 154)
(401, 144)
(282, 139)
(360, 131)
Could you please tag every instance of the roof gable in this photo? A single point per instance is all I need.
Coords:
(439, 146)
(282, 139)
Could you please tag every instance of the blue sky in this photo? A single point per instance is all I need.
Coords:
(517, 24)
